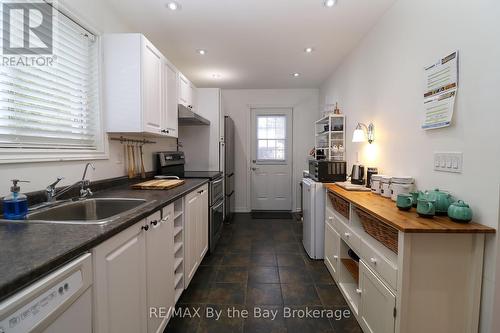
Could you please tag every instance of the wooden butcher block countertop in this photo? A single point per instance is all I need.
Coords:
(406, 221)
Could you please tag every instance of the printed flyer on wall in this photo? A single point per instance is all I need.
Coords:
(441, 85)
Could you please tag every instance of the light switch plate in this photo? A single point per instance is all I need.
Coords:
(448, 162)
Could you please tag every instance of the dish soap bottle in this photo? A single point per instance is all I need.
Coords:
(15, 205)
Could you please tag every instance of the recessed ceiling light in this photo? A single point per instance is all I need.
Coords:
(308, 50)
(330, 3)
(172, 5)
(201, 51)
(296, 74)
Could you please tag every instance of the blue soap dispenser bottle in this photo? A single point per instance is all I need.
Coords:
(15, 205)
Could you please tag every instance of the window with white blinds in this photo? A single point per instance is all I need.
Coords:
(53, 108)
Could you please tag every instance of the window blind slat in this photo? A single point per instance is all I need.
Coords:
(53, 107)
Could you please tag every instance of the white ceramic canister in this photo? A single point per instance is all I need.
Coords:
(401, 185)
(385, 186)
(375, 183)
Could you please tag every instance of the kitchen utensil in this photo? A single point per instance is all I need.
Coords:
(460, 212)
(143, 171)
(129, 162)
(158, 184)
(358, 174)
(426, 207)
(404, 201)
(443, 200)
(133, 164)
(369, 175)
(414, 197)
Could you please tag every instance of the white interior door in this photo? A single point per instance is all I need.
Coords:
(271, 159)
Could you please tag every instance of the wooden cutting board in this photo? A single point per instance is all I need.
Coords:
(158, 184)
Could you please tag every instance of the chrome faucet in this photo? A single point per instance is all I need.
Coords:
(85, 191)
(51, 190)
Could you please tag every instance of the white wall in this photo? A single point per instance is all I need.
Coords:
(201, 143)
(101, 17)
(237, 104)
(381, 81)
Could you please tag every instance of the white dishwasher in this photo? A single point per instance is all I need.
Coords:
(313, 233)
(58, 303)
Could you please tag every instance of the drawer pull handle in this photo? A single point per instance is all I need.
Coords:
(330, 218)
(373, 261)
(347, 234)
(336, 257)
(358, 291)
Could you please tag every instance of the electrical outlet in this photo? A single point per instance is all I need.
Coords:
(448, 162)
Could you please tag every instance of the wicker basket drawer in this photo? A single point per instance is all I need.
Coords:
(339, 204)
(379, 230)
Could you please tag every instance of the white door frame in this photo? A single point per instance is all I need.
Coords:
(249, 150)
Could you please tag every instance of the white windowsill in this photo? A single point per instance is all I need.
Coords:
(9, 156)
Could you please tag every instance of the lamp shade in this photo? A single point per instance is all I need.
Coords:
(358, 135)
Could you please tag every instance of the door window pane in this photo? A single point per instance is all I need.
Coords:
(271, 138)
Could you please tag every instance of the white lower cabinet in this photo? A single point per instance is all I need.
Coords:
(134, 279)
(378, 303)
(196, 234)
(120, 282)
(332, 249)
(160, 270)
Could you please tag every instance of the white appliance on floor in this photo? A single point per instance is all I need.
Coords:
(313, 235)
(58, 303)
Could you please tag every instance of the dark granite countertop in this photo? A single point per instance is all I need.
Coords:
(28, 251)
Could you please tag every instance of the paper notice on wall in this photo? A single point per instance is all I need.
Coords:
(441, 85)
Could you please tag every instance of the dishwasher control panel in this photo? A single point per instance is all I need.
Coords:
(38, 309)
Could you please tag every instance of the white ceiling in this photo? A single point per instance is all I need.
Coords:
(254, 43)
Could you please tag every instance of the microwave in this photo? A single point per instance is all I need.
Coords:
(328, 171)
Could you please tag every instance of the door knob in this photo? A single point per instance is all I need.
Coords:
(254, 169)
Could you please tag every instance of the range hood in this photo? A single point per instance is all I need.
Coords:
(188, 117)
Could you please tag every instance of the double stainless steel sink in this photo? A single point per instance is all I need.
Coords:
(88, 211)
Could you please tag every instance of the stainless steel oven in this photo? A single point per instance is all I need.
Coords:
(172, 164)
(216, 190)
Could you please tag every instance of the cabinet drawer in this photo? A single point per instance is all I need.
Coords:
(380, 264)
(351, 238)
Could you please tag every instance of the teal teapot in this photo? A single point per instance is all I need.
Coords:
(460, 212)
(443, 200)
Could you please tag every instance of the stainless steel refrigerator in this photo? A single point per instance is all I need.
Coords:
(227, 162)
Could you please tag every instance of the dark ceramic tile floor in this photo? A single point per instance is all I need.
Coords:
(260, 266)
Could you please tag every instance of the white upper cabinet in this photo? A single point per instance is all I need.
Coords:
(187, 92)
(138, 93)
(170, 102)
(152, 66)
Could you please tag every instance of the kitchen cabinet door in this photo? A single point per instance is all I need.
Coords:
(120, 282)
(192, 102)
(191, 254)
(170, 122)
(184, 91)
(332, 250)
(203, 223)
(152, 66)
(377, 306)
(160, 273)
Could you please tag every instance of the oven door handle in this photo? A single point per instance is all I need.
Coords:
(217, 181)
(218, 205)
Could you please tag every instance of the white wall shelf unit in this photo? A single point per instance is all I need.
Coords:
(330, 137)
